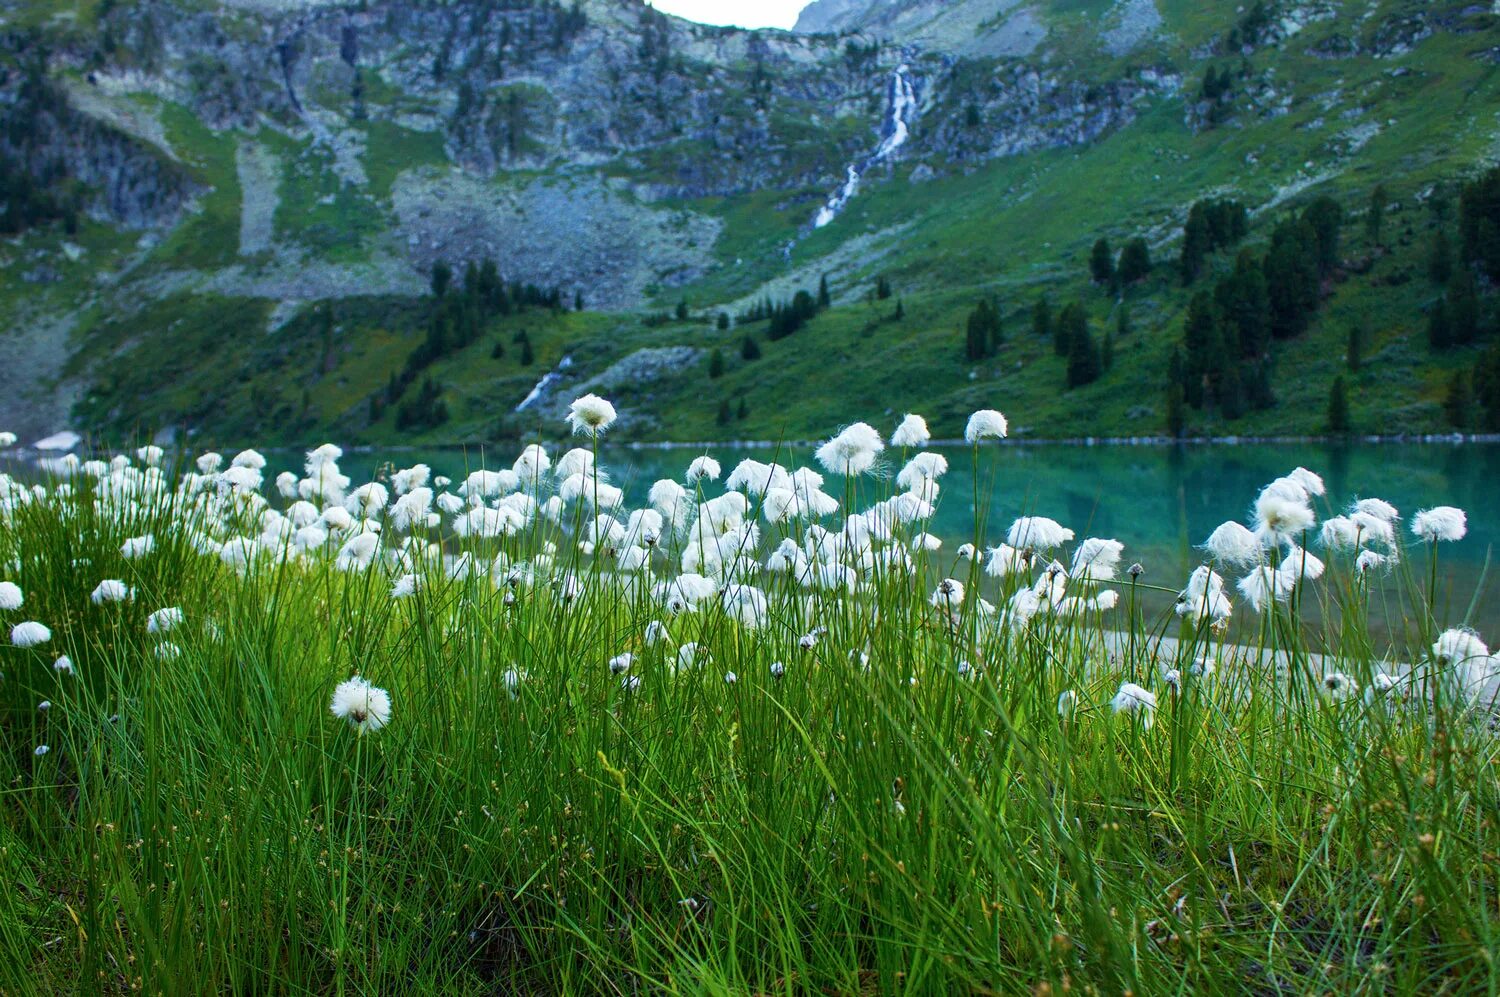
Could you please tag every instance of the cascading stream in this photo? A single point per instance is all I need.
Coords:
(895, 129)
(547, 381)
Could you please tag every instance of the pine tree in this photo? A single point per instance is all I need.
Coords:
(1338, 408)
(527, 356)
(498, 350)
(716, 363)
(442, 276)
(1291, 272)
(900, 312)
(1479, 223)
(982, 332)
(882, 288)
(1326, 218)
(749, 348)
(1197, 241)
(1084, 365)
(1102, 262)
(726, 414)
(1354, 355)
(1244, 300)
(1072, 322)
(1202, 344)
(744, 410)
(1135, 261)
(825, 300)
(682, 311)
(1041, 319)
(723, 321)
(578, 301)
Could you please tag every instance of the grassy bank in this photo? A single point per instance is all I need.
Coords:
(723, 745)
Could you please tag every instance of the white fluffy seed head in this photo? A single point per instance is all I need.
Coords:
(1442, 522)
(986, 424)
(590, 415)
(911, 432)
(366, 707)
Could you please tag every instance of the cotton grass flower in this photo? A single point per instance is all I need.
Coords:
(1264, 586)
(1006, 560)
(29, 634)
(1337, 687)
(366, 707)
(949, 594)
(1037, 532)
(1234, 546)
(1464, 661)
(1378, 508)
(63, 665)
(921, 471)
(590, 416)
(1067, 703)
(1135, 699)
(853, 451)
(111, 590)
(703, 468)
(138, 546)
(986, 424)
(911, 432)
(10, 596)
(1281, 519)
(1097, 560)
(1203, 597)
(1442, 522)
(164, 620)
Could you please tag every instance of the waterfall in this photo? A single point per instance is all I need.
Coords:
(895, 129)
(547, 381)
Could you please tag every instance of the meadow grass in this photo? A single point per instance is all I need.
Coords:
(864, 787)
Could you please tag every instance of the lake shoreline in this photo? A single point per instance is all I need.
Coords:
(1431, 439)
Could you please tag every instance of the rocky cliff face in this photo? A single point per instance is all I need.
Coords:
(99, 170)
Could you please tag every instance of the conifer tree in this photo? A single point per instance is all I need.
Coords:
(1135, 261)
(1102, 262)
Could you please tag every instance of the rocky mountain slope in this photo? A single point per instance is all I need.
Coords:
(251, 197)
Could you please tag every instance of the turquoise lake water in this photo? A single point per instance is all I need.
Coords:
(1159, 500)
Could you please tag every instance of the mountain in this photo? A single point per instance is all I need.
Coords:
(230, 219)
(971, 28)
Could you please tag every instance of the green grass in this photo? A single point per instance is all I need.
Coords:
(527, 822)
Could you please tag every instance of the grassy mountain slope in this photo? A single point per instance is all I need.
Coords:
(189, 329)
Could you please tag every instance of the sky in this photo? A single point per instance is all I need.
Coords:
(744, 13)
